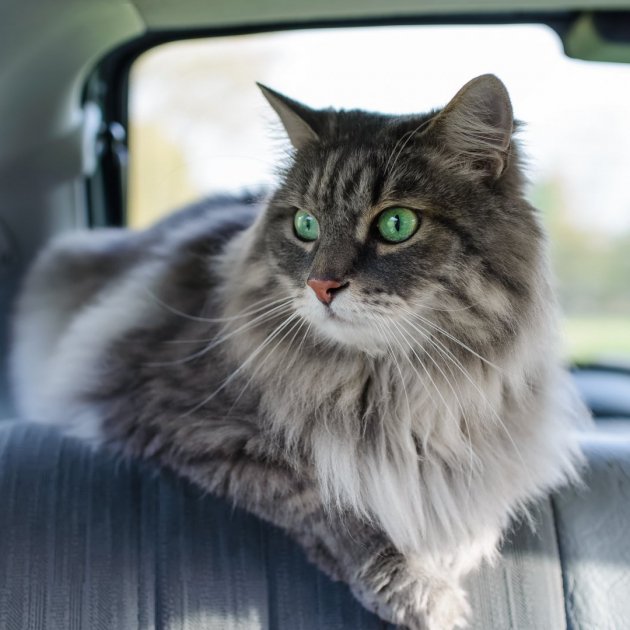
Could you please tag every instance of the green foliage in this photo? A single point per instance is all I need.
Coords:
(598, 338)
(592, 272)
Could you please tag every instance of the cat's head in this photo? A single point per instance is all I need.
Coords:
(384, 226)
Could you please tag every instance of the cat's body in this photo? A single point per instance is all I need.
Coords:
(392, 415)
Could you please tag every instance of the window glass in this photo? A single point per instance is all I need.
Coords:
(199, 126)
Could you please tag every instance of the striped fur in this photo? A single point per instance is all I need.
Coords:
(394, 439)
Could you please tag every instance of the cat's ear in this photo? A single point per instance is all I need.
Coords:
(298, 119)
(476, 126)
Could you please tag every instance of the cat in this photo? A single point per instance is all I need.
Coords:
(369, 361)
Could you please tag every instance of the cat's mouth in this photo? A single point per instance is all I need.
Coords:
(334, 313)
(343, 326)
(330, 314)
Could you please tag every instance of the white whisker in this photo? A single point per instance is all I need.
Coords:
(295, 327)
(209, 320)
(270, 314)
(402, 378)
(428, 374)
(462, 412)
(451, 337)
(245, 363)
(457, 363)
(422, 304)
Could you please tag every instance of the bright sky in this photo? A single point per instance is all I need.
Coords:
(203, 96)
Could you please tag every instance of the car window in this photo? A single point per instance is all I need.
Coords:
(199, 126)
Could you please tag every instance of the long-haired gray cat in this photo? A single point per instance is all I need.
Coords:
(369, 362)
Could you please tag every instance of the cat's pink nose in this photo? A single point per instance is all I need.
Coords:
(325, 290)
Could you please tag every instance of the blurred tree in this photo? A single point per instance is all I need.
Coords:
(159, 180)
(592, 268)
(200, 98)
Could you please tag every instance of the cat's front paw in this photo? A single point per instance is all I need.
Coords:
(447, 608)
(409, 596)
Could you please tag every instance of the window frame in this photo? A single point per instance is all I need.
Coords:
(107, 87)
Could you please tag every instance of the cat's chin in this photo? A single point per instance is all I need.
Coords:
(343, 329)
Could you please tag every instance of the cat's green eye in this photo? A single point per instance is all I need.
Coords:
(306, 226)
(397, 224)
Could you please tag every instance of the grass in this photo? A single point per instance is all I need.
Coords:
(593, 338)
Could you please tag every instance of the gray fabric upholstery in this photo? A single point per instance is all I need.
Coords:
(91, 542)
(593, 525)
(524, 590)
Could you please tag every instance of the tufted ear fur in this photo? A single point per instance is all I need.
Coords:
(298, 119)
(476, 127)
